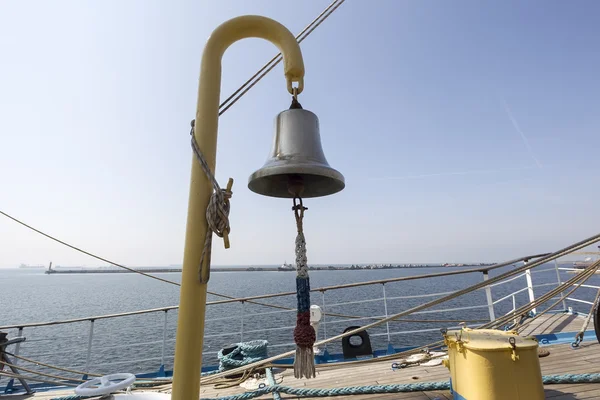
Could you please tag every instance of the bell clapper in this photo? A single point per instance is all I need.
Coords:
(295, 185)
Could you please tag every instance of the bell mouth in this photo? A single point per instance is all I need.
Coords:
(317, 181)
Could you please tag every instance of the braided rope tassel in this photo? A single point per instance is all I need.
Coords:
(304, 333)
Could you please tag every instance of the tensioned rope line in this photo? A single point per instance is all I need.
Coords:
(540, 300)
(523, 325)
(583, 277)
(86, 252)
(31, 378)
(543, 260)
(523, 310)
(39, 363)
(31, 371)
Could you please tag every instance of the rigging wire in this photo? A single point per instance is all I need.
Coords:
(232, 99)
(87, 252)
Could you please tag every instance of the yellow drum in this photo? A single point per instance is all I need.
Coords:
(487, 364)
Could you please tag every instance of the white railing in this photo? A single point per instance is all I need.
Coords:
(160, 346)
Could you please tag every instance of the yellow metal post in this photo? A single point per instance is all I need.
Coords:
(192, 305)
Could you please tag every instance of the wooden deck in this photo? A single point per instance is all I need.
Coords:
(562, 360)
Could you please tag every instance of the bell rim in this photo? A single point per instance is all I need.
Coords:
(322, 171)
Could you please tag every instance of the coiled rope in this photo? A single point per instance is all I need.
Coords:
(217, 212)
(244, 353)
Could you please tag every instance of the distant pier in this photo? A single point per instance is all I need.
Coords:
(255, 269)
(109, 271)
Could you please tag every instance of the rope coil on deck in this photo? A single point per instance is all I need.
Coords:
(243, 354)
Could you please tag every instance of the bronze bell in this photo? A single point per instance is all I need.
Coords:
(296, 164)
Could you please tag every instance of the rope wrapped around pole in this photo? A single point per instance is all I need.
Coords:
(304, 333)
(217, 212)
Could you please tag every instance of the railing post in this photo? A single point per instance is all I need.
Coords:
(89, 349)
(161, 371)
(11, 382)
(514, 300)
(387, 324)
(488, 295)
(242, 323)
(18, 345)
(559, 282)
(324, 323)
(530, 286)
(390, 347)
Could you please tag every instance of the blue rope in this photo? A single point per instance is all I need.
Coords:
(375, 389)
(303, 296)
(272, 382)
(381, 389)
(343, 391)
(245, 353)
(571, 378)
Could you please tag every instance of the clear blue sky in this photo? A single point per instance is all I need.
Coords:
(466, 130)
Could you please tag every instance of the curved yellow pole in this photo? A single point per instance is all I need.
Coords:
(190, 324)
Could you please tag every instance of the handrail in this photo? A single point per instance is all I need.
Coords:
(580, 301)
(508, 280)
(508, 296)
(246, 299)
(589, 286)
(73, 320)
(355, 302)
(544, 270)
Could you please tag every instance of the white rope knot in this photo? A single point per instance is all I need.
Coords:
(217, 212)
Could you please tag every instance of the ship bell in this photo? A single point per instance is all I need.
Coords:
(296, 165)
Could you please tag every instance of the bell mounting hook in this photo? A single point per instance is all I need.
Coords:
(295, 104)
